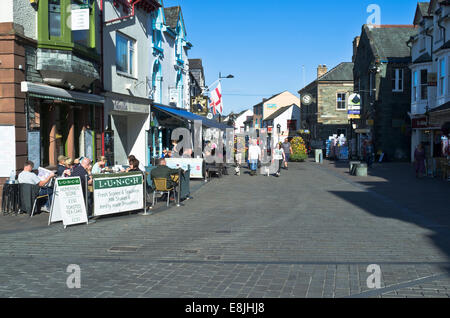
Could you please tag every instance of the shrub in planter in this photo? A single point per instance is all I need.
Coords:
(299, 157)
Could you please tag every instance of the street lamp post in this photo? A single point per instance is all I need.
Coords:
(229, 76)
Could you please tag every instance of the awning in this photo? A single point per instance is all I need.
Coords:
(52, 92)
(185, 115)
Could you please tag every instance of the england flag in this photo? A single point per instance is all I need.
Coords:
(215, 100)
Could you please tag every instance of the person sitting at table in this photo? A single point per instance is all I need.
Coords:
(69, 165)
(27, 176)
(82, 171)
(141, 166)
(99, 165)
(61, 165)
(162, 171)
(134, 166)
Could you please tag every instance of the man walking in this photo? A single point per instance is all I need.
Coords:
(287, 148)
(254, 154)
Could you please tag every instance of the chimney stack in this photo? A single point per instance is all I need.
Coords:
(321, 70)
(355, 47)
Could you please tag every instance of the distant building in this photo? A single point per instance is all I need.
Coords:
(327, 113)
(199, 102)
(382, 77)
(284, 123)
(270, 105)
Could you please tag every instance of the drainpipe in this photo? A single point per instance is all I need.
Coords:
(128, 16)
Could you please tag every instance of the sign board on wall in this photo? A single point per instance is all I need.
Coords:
(7, 150)
(80, 17)
(68, 203)
(121, 192)
(354, 106)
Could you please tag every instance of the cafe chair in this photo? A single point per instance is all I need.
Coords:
(35, 201)
(28, 196)
(160, 187)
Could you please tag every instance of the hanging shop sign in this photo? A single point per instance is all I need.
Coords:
(116, 193)
(354, 106)
(68, 203)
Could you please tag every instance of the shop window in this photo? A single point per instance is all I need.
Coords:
(54, 18)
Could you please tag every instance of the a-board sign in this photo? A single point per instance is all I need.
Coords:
(183, 163)
(68, 203)
(116, 193)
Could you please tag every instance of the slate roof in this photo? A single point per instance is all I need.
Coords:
(441, 108)
(424, 58)
(342, 72)
(267, 99)
(389, 41)
(278, 112)
(171, 15)
(444, 47)
(423, 8)
(195, 64)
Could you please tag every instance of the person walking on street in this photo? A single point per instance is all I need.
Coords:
(254, 154)
(279, 157)
(287, 148)
(369, 153)
(419, 160)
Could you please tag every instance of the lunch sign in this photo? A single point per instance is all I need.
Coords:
(119, 193)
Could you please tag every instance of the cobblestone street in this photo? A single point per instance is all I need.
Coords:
(310, 233)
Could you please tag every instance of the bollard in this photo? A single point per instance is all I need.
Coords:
(361, 170)
(352, 167)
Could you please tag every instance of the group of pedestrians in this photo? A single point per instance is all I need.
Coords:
(280, 156)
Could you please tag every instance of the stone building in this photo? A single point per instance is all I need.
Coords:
(382, 77)
(327, 113)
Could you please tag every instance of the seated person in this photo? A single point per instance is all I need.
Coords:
(134, 166)
(61, 166)
(82, 171)
(162, 171)
(99, 165)
(69, 165)
(27, 176)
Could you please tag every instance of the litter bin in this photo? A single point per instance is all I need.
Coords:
(361, 170)
(352, 167)
(318, 155)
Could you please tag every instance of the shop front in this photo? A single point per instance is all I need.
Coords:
(127, 128)
(440, 117)
(62, 122)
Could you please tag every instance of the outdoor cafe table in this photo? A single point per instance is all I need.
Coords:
(10, 198)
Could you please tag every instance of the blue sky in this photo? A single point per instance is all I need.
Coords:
(264, 44)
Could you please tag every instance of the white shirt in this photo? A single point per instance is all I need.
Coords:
(254, 152)
(28, 177)
(278, 154)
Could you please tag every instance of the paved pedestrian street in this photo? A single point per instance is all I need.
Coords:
(313, 232)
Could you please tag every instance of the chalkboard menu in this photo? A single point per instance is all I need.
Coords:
(34, 147)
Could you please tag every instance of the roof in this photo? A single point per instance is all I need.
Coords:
(172, 14)
(422, 8)
(279, 112)
(424, 58)
(389, 41)
(445, 106)
(267, 99)
(195, 64)
(342, 72)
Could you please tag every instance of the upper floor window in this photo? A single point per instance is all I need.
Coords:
(67, 24)
(291, 124)
(340, 101)
(415, 81)
(442, 75)
(421, 43)
(397, 80)
(125, 54)
(423, 84)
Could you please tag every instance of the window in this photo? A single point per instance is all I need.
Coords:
(125, 55)
(415, 84)
(422, 43)
(54, 18)
(340, 101)
(424, 84)
(54, 27)
(397, 80)
(292, 124)
(442, 77)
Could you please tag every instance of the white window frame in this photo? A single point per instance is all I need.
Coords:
(396, 78)
(131, 62)
(342, 101)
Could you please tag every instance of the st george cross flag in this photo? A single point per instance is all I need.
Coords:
(215, 101)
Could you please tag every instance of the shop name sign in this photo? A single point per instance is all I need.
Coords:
(354, 106)
(68, 203)
(80, 17)
(118, 194)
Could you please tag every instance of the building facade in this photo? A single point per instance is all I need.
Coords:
(284, 123)
(383, 79)
(326, 113)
